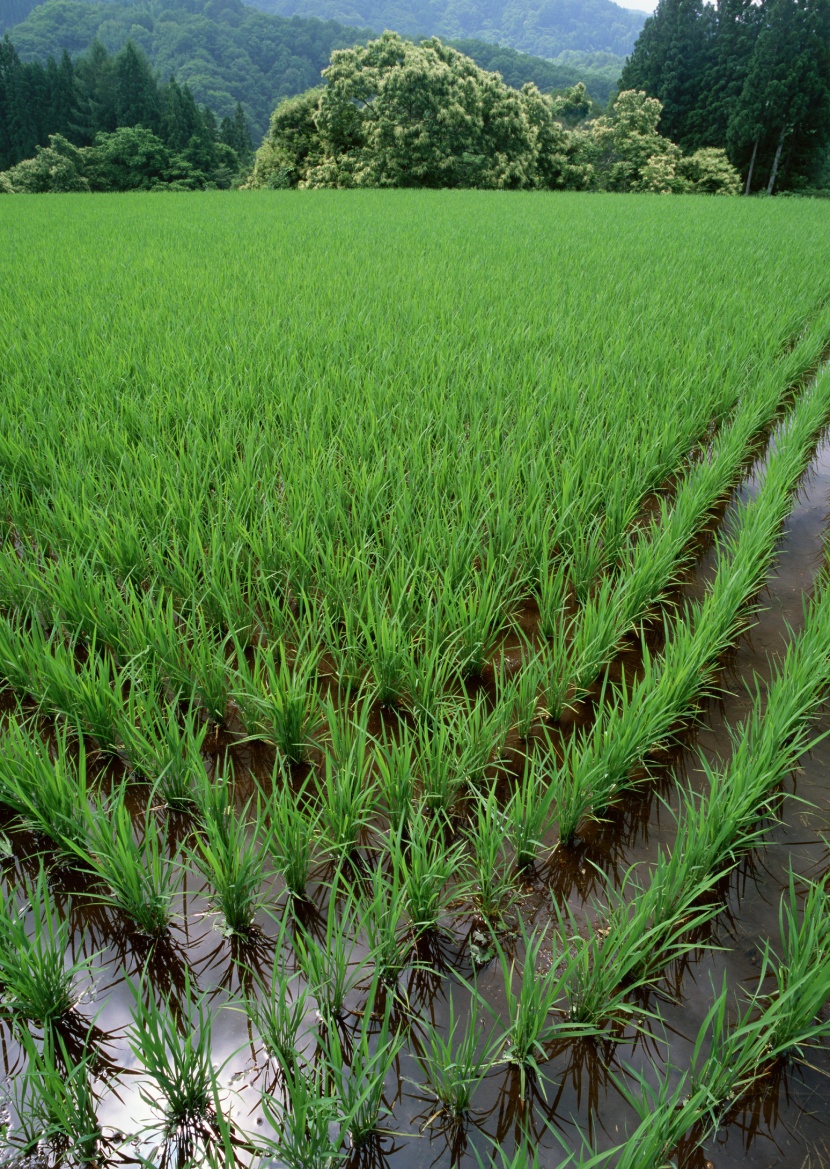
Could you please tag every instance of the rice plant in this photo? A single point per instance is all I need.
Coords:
(343, 534)
(49, 795)
(278, 1011)
(455, 1063)
(230, 851)
(492, 886)
(137, 875)
(387, 927)
(395, 763)
(530, 1027)
(174, 1048)
(332, 965)
(426, 865)
(310, 1129)
(348, 799)
(39, 980)
(277, 697)
(529, 813)
(165, 746)
(359, 1080)
(292, 829)
(54, 1103)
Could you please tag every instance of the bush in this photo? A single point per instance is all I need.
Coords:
(710, 172)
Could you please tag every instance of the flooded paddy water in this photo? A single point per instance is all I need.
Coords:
(577, 1098)
(186, 457)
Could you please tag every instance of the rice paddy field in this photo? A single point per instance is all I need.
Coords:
(414, 643)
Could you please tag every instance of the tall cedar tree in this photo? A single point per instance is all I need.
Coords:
(781, 120)
(753, 78)
(670, 61)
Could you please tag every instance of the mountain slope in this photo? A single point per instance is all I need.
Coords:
(543, 27)
(228, 52)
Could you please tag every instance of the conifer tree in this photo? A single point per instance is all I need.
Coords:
(136, 90)
(670, 62)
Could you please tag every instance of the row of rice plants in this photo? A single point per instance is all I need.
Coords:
(598, 763)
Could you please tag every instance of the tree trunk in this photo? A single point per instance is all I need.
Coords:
(786, 172)
(776, 160)
(748, 187)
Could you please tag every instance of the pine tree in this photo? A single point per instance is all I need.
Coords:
(670, 61)
(10, 74)
(736, 30)
(785, 99)
(95, 85)
(136, 90)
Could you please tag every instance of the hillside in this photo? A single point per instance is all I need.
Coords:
(229, 52)
(542, 27)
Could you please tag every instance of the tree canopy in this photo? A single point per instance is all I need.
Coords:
(753, 78)
(396, 114)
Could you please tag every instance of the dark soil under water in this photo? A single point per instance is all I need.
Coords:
(786, 1123)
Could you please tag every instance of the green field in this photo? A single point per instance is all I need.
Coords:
(343, 607)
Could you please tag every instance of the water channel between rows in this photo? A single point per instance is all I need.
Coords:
(787, 1124)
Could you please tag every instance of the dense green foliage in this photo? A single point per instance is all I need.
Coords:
(396, 114)
(223, 50)
(227, 54)
(147, 133)
(752, 78)
(542, 29)
(320, 589)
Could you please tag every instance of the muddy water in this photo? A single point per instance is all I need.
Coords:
(786, 1125)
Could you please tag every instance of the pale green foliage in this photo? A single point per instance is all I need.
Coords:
(56, 167)
(709, 171)
(626, 150)
(398, 114)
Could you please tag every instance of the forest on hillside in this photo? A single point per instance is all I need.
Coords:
(750, 77)
(545, 29)
(228, 52)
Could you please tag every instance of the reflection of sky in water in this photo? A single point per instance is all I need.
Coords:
(783, 1128)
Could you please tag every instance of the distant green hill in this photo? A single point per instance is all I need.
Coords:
(229, 52)
(542, 27)
(545, 28)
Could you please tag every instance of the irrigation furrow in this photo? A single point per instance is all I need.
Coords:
(645, 926)
(597, 764)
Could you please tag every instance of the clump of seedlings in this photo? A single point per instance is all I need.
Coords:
(55, 1105)
(425, 864)
(136, 873)
(292, 831)
(359, 1079)
(456, 1058)
(277, 697)
(173, 1043)
(231, 851)
(48, 795)
(39, 980)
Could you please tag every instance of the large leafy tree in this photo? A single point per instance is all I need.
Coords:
(398, 114)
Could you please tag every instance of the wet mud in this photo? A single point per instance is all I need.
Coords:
(785, 1123)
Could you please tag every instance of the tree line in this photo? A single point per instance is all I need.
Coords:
(91, 102)
(749, 76)
(396, 114)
